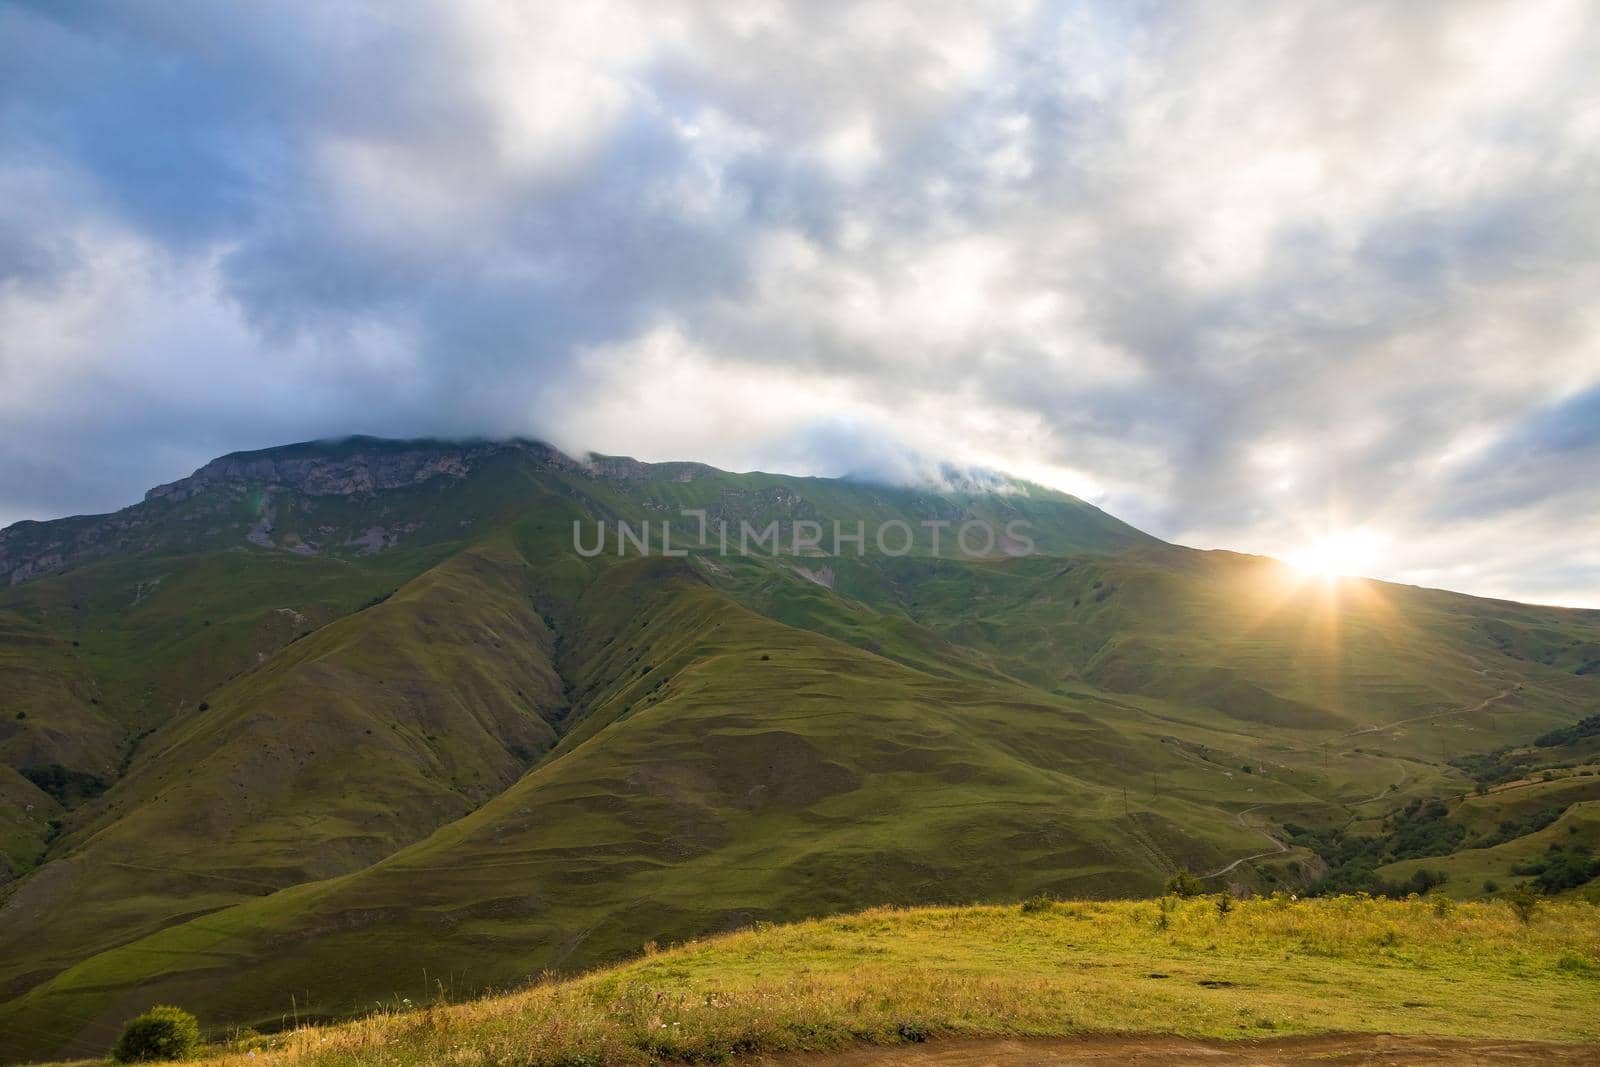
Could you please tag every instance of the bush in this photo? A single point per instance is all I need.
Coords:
(1511, 829)
(1571, 964)
(162, 1033)
(1585, 728)
(1524, 900)
(1422, 882)
(1224, 903)
(1421, 829)
(1037, 902)
(913, 1031)
(66, 785)
(1184, 884)
(1562, 868)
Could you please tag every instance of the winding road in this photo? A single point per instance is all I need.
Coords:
(1278, 849)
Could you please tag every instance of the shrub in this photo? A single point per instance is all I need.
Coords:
(1565, 736)
(66, 785)
(1037, 902)
(1422, 882)
(913, 1031)
(1224, 903)
(1511, 829)
(1184, 884)
(1560, 868)
(1524, 900)
(162, 1033)
(1571, 964)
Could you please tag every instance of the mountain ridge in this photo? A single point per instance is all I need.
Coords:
(354, 466)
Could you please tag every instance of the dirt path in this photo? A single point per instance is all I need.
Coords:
(1480, 706)
(1278, 846)
(1161, 1051)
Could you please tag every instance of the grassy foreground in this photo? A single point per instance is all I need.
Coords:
(1269, 966)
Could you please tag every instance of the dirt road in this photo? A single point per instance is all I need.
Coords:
(1157, 1051)
(1277, 848)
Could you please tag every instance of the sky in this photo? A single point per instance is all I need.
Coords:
(1316, 280)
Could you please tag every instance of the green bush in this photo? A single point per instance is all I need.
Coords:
(162, 1033)
(1565, 736)
(1524, 900)
(1186, 885)
(914, 1032)
(1037, 902)
(1571, 964)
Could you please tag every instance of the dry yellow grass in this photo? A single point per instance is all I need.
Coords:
(1184, 967)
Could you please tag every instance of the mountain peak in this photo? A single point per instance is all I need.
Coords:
(343, 467)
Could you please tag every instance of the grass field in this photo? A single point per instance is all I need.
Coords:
(1270, 966)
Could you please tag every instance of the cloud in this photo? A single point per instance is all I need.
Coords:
(1239, 274)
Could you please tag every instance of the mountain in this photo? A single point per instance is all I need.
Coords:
(334, 721)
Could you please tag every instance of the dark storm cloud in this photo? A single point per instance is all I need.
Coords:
(1241, 274)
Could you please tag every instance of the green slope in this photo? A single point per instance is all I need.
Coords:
(361, 712)
(725, 788)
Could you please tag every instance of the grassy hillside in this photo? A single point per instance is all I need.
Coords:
(1267, 967)
(331, 721)
(365, 735)
(747, 771)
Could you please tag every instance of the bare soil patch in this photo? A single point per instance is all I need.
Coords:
(1162, 1051)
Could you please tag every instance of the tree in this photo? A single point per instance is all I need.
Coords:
(1524, 899)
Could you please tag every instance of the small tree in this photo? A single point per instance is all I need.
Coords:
(1524, 900)
(162, 1033)
(1224, 903)
(1184, 884)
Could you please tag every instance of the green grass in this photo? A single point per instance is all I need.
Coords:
(885, 976)
(478, 755)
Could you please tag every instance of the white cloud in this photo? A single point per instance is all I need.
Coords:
(1214, 266)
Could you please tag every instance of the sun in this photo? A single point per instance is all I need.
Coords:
(1341, 553)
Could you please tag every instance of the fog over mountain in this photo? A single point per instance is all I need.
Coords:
(1243, 276)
